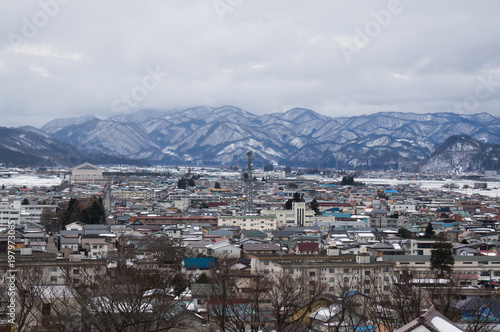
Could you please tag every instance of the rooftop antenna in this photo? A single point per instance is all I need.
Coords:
(249, 207)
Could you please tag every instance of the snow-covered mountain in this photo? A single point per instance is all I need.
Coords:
(209, 136)
(462, 154)
(29, 146)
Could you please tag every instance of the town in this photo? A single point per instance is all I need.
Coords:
(247, 249)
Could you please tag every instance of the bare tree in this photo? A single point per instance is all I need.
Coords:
(225, 308)
(344, 306)
(478, 312)
(125, 298)
(29, 286)
(288, 293)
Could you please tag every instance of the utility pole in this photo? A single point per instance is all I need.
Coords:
(249, 207)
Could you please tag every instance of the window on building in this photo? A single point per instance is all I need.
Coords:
(332, 280)
(46, 309)
(312, 274)
(346, 279)
(346, 270)
(331, 270)
(367, 273)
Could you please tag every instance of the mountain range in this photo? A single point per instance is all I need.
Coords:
(462, 154)
(298, 137)
(28, 146)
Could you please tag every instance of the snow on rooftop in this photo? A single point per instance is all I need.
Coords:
(443, 325)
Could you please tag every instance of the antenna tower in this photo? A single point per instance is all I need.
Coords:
(249, 207)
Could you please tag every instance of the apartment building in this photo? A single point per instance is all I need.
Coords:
(341, 273)
(485, 267)
(297, 216)
(249, 222)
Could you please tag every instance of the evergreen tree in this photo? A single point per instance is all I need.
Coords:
(347, 180)
(441, 256)
(25, 201)
(181, 183)
(178, 283)
(297, 197)
(203, 278)
(96, 213)
(429, 231)
(404, 233)
(315, 207)
(71, 213)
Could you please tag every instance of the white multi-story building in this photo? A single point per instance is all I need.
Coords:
(297, 216)
(249, 222)
(485, 267)
(8, 215)
(86, 173)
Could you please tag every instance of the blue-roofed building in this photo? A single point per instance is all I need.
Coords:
(344, 215)
(199, 263)
(196, 266)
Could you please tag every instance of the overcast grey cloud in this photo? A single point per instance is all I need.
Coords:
(65, 58)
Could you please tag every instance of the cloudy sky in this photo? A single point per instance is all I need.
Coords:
(66, 58)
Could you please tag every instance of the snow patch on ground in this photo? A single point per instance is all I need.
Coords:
(30, 181)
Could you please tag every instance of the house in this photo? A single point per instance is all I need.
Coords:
(465, 279)
(70, 243)
(75, 226)
(97, 246)
(431, 321)
(91, 229)
(364, 237)
(306, 248)
(260, 248)
(224, 249)
(480, 309)
(333, 317)
(380, 249)
(196, 266)
(253, 234)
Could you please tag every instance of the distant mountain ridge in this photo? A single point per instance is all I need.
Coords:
(299, 137)
(28, 146)
(462, 154)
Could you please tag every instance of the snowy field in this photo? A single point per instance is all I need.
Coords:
(492, 190)
(30, 181)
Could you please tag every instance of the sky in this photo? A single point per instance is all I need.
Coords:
(69, 58)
